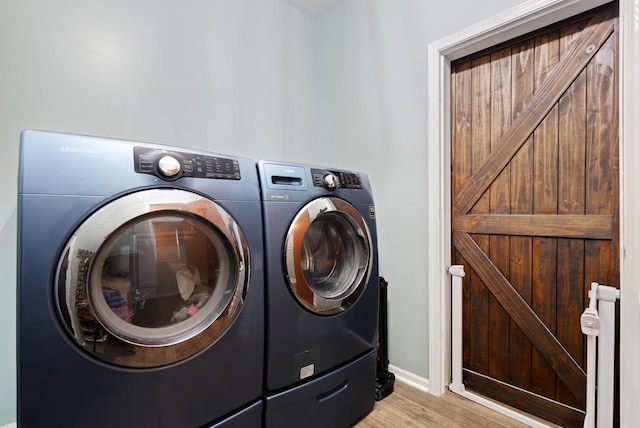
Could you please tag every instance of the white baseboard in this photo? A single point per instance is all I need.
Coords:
(409, 378)
(11, 425)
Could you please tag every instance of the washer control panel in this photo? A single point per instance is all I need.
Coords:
(171, 165)
(332, 180)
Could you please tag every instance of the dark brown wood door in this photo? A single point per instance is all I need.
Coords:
(535, 208)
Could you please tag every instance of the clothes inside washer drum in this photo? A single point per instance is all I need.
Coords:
(187, 278)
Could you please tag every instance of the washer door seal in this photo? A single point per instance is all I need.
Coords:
(328, 254)
(152, 278)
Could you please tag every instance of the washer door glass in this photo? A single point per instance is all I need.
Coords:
(328, 255)
(152, 278)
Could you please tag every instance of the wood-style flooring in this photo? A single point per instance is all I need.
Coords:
(410, 407)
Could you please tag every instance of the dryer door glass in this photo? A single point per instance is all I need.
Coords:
(328, 255)
(152, 278)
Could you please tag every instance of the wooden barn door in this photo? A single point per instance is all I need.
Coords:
(535, 208)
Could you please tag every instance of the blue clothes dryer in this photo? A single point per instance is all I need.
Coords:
(321, 292)
(140, 285)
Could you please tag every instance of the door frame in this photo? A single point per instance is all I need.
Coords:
(529, 16)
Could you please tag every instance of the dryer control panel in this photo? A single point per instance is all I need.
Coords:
(332, 180)
(172, 165)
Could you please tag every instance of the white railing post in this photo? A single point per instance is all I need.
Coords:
(598, 320)
(607, 297)
(590, 326)
(457, 273)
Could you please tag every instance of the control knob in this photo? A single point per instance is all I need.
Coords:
(169, 166)
(330, 182)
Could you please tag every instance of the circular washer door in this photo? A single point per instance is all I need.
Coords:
(152, 278)
(328, 254)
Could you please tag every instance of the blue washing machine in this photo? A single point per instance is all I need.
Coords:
(140, 285)
(321, 294)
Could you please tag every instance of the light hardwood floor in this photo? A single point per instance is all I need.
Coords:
(410, 407)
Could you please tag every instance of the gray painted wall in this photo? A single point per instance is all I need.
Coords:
(232, 76)
(372, 102)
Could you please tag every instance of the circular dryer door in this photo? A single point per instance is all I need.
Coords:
(152, 278)
(328, 254)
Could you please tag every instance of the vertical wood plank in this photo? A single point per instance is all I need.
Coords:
(602, 136)
(523, 73)
(571, 196)
(461, 123)
(600, 129)
(500, 202)
(480, 149)
(614, 153)
(543, 378)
